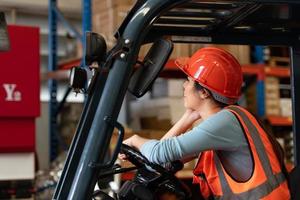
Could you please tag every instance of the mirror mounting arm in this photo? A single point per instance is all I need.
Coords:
(121, 49)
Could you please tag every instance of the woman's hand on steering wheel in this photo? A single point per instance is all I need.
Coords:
(128, 142)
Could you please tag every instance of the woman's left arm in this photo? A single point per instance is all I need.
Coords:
(185, 122)
(136, 141)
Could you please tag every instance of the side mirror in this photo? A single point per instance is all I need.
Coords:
(4, 40)
(95, 49)
(156, 58)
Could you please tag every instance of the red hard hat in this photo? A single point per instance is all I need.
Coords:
(217, 70)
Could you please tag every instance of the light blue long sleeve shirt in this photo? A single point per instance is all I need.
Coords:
(220, 131)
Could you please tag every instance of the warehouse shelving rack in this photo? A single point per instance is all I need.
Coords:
(54, 107)
(255, 22)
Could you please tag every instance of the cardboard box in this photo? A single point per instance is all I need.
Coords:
(180, 50)
(144, 50)
(250, 98)
(177, 109)
(153, 123)
(286, 107)
(175, 87)
(273, 108)
(102, 5)
(272, 96)
(167, 88)
(240, 52)
(160, 113)
(195, 47)
(107, 21)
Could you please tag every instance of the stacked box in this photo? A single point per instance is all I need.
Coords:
(289, 144)
(272, 96)
(108, 15)
(250, 97)
(195, 47)
(175, 87)
(181, 50)
(286, 107)
(172, 88)
(156, 114)
(279, 61)
(144, 50)
(153, 123)
(240, 52)
(177, 109)
(102, 5)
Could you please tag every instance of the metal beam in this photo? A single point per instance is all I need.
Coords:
(69, 26)
(86, 24)
(295, 83)
(52, 84)
(197, 35)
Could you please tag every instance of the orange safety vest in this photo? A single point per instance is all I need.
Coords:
(267, 180)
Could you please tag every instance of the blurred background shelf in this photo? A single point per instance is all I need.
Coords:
(280, 121)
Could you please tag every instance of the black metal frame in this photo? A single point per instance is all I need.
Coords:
(226, 22)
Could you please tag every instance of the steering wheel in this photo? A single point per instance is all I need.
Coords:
(135, 157)
(166, 181)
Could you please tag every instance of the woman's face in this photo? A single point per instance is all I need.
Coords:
(191, 95)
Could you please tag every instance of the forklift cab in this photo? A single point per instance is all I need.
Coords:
(261, 22)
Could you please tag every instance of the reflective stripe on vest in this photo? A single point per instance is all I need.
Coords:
(260, 148)
(272, 182)
(254, 193)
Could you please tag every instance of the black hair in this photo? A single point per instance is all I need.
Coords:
(200, 87)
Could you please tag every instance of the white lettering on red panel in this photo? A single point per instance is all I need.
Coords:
(11, 93)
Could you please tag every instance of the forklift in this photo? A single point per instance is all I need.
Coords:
(162, 23)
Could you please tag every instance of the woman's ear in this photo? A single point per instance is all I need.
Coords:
(204, 93)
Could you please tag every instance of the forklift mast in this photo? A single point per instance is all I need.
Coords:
(255, 22)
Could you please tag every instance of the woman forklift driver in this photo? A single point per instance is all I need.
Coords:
(237, 159)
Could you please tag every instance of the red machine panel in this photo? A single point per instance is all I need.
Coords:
(17, 135)
(19, 74)
(19, 90)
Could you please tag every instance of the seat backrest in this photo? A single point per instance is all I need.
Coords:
(294, 177)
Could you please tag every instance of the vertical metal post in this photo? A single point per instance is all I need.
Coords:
(52, 84)
(295, 84)
(259, 54)
(260, 97)
(86, 24)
